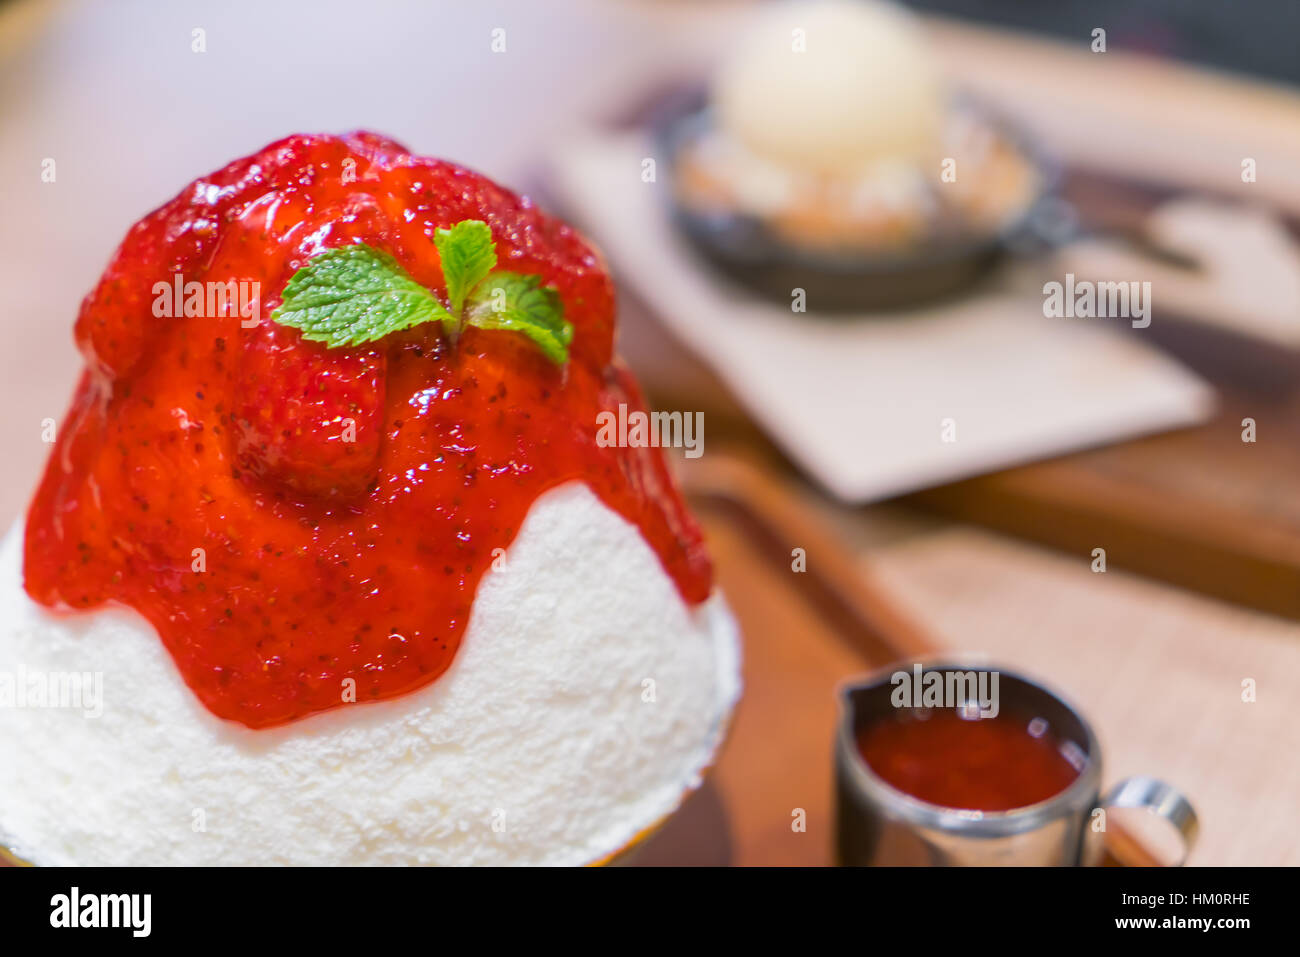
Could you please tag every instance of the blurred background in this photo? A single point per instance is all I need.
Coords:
(950, 452)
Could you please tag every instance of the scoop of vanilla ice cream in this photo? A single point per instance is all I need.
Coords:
(832, 86)
(585, 700)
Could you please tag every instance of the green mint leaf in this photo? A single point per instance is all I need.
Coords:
(468, 254)
(507, 300)
(356, 294)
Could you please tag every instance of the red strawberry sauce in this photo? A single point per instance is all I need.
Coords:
(326, 559)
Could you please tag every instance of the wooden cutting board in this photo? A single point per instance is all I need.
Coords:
(1200, 508)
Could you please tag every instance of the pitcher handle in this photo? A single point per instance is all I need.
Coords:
(1161, 799)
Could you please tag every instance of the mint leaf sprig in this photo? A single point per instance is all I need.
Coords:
(357, 294)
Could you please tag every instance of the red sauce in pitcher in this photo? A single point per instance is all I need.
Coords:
(979, 764)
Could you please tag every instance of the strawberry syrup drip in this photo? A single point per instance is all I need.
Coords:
(346, 502)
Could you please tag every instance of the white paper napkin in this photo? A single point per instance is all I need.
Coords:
(865, 405)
